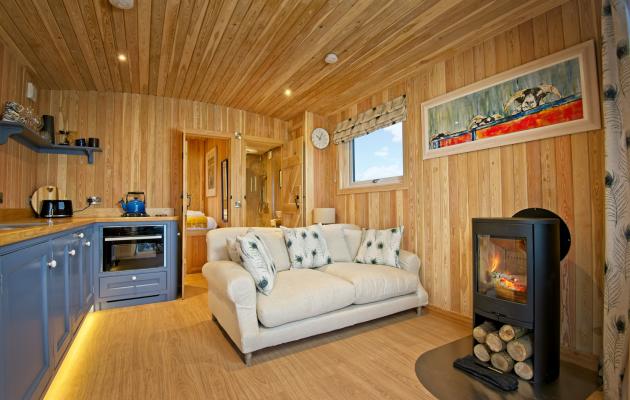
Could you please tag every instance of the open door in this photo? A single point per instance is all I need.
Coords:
(291, 187)
(185, 203)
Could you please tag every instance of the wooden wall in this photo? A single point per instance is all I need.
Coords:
(17, 163)
(563, 174)
(141, 140)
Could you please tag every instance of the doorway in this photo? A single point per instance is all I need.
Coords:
(262, 180)
(206, 196)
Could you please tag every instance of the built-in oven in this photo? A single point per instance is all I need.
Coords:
(127, 248)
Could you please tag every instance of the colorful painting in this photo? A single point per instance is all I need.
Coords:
(211, 172)
(552, 96)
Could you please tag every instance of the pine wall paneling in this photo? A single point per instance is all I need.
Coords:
(18, 174)
(563, 174)
(141, 140)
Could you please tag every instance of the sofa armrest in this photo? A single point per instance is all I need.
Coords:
(409, 262)
(232, 301)
(231, 281)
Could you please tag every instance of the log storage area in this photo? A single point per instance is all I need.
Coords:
(508, 348)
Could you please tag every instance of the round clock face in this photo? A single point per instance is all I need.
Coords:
(320, 138)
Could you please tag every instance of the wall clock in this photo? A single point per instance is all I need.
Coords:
(320, 138)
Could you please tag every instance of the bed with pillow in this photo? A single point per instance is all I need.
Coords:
(268, 286)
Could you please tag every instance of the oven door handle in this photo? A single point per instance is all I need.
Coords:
(129, 238)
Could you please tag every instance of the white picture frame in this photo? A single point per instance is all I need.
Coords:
(435, 142)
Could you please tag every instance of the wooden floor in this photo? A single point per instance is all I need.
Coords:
(174, 351)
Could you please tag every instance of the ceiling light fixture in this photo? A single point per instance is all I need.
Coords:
(288, 92)
(122, 57)
(122, 4)
(331, 58)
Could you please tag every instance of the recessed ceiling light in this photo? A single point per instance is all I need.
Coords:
(288, 92)
(123, 4)
(331, 58)
(122, 57)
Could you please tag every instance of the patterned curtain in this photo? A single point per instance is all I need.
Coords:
(616, 94)
(386, 114)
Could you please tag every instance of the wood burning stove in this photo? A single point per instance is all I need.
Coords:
(516, 282)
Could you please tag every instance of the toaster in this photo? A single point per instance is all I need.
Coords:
(56, 209)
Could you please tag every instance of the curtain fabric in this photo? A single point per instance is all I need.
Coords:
(616, 105)
(386, 114)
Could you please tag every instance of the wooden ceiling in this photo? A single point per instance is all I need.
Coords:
(245, 53)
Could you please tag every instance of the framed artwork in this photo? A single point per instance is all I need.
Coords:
(211, 172)
(552, 96)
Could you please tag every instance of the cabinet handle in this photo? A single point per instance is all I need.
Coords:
(72, 252)
(52, 264)
(79, 235)
(87, 244)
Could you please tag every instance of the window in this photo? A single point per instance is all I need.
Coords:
(377, 157)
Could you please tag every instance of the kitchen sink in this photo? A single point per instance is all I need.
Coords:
(6, 227)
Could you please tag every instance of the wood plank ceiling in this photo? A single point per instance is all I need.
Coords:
(246, 53)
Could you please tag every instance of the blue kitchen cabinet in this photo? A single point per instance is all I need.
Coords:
(59, 297)
(88, 261)
(25, 356)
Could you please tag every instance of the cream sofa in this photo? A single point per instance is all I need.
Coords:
(305, 302)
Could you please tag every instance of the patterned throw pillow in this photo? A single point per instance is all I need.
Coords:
(255, 258)
(380, 247)
(307, 247)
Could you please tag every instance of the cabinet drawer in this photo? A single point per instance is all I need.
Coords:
(132, 284)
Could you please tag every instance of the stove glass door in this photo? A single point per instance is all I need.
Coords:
(502, 268)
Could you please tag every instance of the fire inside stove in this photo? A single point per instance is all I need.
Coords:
(503, 268)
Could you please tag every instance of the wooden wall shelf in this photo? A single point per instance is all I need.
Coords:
(35, 142)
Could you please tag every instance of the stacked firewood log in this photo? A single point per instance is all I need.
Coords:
(508, 348)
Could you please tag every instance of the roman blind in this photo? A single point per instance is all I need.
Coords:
(378, 117)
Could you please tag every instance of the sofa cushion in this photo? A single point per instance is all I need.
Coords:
(374, 282)
(274, 241)
(353, 239)
(303, 293)
(381, 247)
(306, 246)
(256, 259)
(336, 242)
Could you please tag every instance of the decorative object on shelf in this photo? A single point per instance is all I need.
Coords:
(94, 142)
(48, 128)
(15, 112)
(80, 142)
(555, 95)
(320, 138)
(211, 172)
(34, 141)
(64, 138)
(323, 216)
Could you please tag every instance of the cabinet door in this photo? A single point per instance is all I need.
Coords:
(59, 320)
(75, 259)
(24, 347)
(87, 270)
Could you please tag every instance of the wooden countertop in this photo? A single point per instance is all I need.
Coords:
(59, 225)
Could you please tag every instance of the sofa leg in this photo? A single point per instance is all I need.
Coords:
(421, 311)
(247, 358)
(214, 319)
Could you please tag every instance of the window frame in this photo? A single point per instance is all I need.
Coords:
(347, 184)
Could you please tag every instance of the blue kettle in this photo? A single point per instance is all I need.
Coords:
(135, 205)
